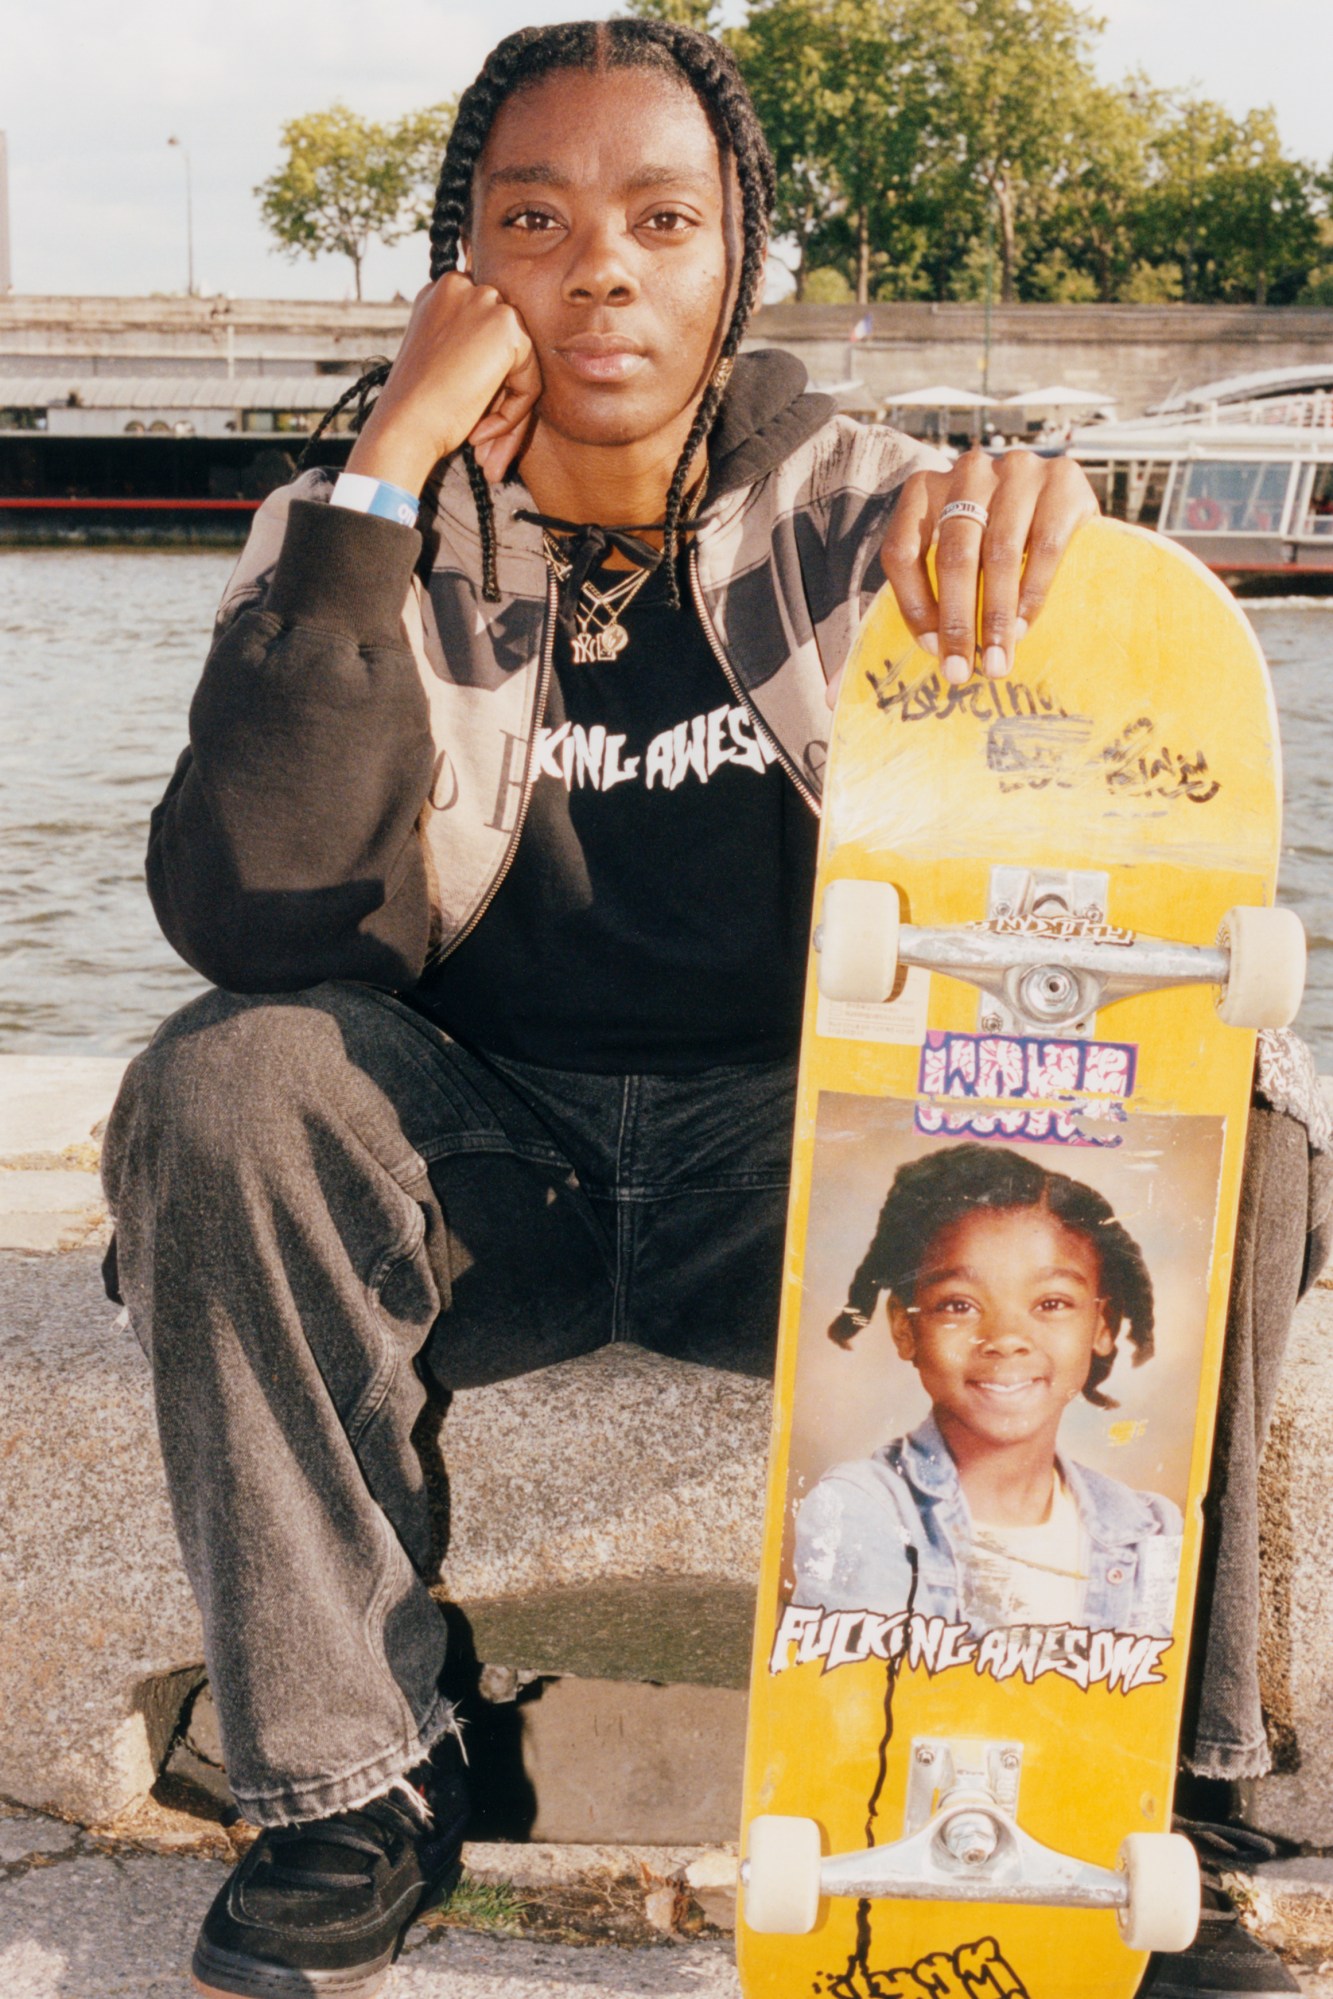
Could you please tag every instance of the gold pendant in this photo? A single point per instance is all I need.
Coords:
(589, 648)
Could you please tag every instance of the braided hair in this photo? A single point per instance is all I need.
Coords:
(933, 1193)
(526, 58)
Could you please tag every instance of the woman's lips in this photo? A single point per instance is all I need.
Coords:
(595, 363)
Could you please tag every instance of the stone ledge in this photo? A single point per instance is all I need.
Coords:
(1296, 1635)
(102, 1641)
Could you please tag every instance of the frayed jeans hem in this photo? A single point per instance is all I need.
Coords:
(295, 1804)
(1228, 1761)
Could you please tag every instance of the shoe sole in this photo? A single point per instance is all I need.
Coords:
(225, 1974)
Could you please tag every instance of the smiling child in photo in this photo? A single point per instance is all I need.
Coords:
(1009, 1290)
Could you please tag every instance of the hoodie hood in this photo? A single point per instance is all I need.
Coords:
(767, 413)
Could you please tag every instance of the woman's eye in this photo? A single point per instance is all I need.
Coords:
(530, 220)
(669, 222)
(1056, 1303)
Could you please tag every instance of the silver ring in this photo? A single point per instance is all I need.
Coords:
(965, 510)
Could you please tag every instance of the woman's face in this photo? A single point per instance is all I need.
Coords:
(601, 214)
(1004, 1325)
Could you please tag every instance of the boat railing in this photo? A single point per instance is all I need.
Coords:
(1312, 410)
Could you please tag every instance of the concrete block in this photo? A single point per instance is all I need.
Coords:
(622, 1464)
(620, 1472)
(1288, 1904)
(101, 1638)
(573, 1762)
(1296, 1656)
(654, 1766)
(49, 1102)
(45, 1211)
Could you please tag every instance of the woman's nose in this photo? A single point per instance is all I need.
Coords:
(598, 271)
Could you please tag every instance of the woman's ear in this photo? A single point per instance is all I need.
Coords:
(1104, 1339)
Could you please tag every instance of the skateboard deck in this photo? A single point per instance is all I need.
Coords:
(1020, 1127)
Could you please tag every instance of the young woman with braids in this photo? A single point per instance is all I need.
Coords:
(495, 836)
(1008, 1290)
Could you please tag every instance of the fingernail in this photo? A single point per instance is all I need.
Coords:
(994, 662)
(956, 669)
(1020, 628)
(930, 642)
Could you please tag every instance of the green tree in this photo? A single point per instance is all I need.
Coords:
(1012, 77)
(346, 182)
(702, 14)
(783, 54)
(1264, 227)
(421, 138)
(1094, 216)
(1238, 213)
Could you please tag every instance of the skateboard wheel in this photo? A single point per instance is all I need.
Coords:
(858, 941)
(1162, 1873)
(1267, 975)
(781, 1876)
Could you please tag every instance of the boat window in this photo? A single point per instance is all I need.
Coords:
(1319, 507)
(1131, 490)
(1221, 496)
(1099, 478)
(1147, 489)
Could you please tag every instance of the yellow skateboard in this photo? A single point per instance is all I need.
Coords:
(1045, 936)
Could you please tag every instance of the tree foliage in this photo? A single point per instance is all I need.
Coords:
(346, 182)
(966, 148)
(925, 149)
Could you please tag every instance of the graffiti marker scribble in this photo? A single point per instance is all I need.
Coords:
(973, 1971)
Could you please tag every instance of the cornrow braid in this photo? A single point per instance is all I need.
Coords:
(524, 59)
(375, 376)
(933, 1193)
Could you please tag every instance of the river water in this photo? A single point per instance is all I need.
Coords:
(99, 653)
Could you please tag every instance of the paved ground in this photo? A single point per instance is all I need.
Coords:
(78, 1924)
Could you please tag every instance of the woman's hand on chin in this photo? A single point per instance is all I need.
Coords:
(466, 373)
(996, 556)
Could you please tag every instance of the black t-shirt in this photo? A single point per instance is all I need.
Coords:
(656, 914)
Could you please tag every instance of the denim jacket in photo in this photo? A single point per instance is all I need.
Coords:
(854, 1531)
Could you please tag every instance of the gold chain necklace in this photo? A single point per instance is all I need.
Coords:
(600, 634)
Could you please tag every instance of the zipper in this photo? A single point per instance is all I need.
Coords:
(729, 673)
(529, 778)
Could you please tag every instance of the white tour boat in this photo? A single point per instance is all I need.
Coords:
(1240, 471)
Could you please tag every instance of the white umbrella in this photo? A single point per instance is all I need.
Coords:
(937, 399)
(1061, 397)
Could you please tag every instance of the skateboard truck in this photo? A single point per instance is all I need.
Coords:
(1045, 957)
(962, 1843)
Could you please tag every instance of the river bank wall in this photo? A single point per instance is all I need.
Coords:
(1135, 354)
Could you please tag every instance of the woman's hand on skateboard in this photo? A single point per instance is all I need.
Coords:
(465, 373)
(996, 556)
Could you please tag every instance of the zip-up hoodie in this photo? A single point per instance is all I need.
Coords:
(361, 740)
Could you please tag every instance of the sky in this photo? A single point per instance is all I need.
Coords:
(90, 95)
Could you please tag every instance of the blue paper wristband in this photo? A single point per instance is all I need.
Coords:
(364, 495)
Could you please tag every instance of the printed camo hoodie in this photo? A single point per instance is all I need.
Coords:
(361, 738)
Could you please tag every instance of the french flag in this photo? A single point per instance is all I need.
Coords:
(862, 329)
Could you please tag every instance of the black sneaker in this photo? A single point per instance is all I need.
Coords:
(321, 1908)
(1224, 1959)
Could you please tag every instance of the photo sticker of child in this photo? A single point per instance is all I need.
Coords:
(1011, 1290)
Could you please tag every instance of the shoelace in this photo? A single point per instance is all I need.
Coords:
(304, 1856)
